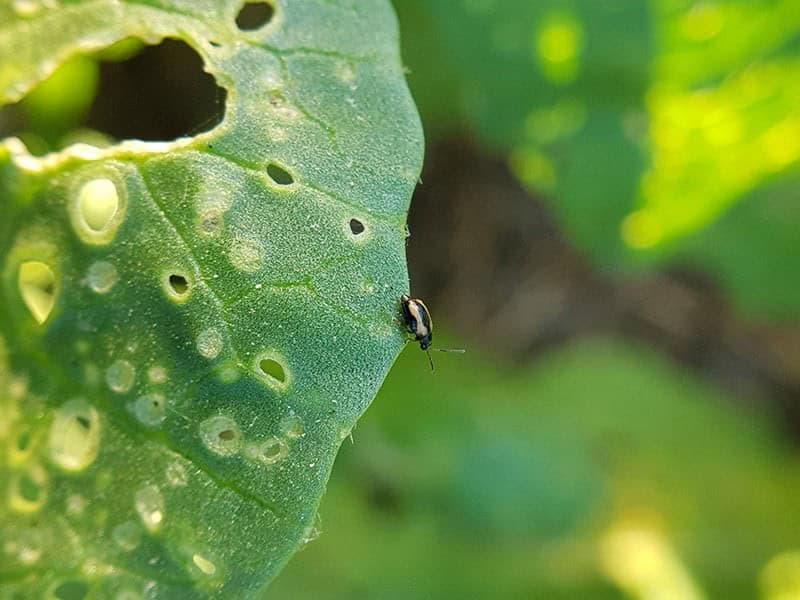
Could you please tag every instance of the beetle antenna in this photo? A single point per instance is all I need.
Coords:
(459, 350)
(430, 359)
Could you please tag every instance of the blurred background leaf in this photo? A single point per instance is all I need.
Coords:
(552, 481)
(641, 124)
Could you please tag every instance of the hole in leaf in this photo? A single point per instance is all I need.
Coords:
(356, 227)
(254, 15)
(98, 202)
(127, 91)
(71, 590)
(178, 285)
(37, 286)
(272, 368)
(279, 175)
(97, 209)
(29, 490)
(226, 435)
(160, 94)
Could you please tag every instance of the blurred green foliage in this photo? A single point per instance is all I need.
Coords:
(658, 132)
(643, 124)
(602, 467)
(58, 104)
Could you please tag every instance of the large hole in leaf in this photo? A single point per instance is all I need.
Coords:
(127, 91)
(160, 94)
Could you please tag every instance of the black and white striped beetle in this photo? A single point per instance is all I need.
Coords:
(417, 319)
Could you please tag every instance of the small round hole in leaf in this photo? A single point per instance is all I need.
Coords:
(279, 175)
(254, 15)
(356, 227)
(272, 368)
(177, 286)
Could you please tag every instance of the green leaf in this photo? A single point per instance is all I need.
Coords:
(189, 329)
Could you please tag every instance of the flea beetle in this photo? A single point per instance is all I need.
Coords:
(417, 319)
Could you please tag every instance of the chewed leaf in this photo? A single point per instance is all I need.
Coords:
(188, 329)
